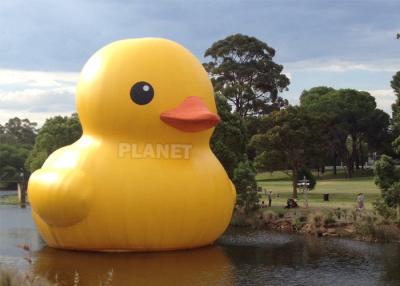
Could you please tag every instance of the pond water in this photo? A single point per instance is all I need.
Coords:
(240, 257)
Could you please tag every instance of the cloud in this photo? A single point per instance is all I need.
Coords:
(384, 99)
(36, 78)
(36, 94)
(337, 65)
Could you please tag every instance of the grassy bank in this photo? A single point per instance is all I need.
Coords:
(9, 200)
(342, 191)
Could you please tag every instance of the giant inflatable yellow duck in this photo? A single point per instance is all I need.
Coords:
(142, 177)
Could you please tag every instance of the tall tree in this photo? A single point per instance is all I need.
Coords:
(242, 70)
(56, 132)
(292, 140)
(246, 186)
(395, 84)
(228, 141)
(18, 131)
(387, 177)
(353, 120)
(12, 158)
(311, 100)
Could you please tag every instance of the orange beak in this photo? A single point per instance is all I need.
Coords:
(192, 115)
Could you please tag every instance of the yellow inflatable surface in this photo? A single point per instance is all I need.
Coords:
(142, 177)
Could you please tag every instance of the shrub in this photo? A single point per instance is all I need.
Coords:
(297, 223)
(384, 210)
(366, 229)
(246, 186)
(270, 217)
(372, 231)
(329, 220)
(316, 219)
(239, 218)
(11, 277)
(338, 213)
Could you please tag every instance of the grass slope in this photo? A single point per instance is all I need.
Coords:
(342, 192)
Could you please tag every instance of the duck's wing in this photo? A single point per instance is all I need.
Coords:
(60, 193)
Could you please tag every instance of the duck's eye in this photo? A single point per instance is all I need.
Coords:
(142, 93)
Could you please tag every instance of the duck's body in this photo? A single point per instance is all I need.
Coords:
(121, 190)
(137, 205)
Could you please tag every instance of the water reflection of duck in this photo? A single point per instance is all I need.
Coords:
(203, 266)
(142, 177)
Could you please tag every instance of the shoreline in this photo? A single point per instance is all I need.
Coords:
(343, 223)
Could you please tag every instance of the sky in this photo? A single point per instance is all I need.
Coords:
(342, 44)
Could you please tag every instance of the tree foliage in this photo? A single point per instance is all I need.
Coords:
(291, 140)
(352, 122)
(16, 139)
(387, 177)
(246, 185)
(395, 84)
(12, 159)
(18, 131)
(56, 132)
(228, 141)
(243, 71)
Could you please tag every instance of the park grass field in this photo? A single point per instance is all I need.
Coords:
(9, 200)
(342, 191)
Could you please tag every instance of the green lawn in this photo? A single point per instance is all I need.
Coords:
(342, 192)
(9, 200)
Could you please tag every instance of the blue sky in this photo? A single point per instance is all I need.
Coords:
(45, 43)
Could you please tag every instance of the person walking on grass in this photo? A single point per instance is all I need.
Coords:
(360, 201)
(269, 198)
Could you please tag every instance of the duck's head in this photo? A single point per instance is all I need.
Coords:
(146, 89)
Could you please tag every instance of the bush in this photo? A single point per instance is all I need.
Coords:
(384, 233)
(316, 219)
(11, 277)
(270, 217)
(329, 220)
(246, 186)
(297, 223)
(338, 213)
(381, 208)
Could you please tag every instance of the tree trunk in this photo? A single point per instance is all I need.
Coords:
(361, 154)
(349, 166)
(294, 182)
(323, 169)
(334, 163)
(398, 211)
(356, 155)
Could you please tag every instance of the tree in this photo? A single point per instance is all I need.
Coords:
(56, 132)
(242, 70)
(395, 84)
(311, 100)
(387, 177)
(313, 95)
(292, 140)
(12, 158)
(246, 186)
(229, 145)
(18, 131)
(352, 122)
(228, 141)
